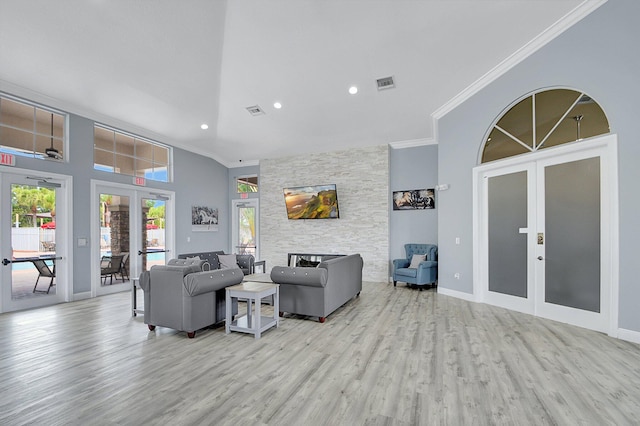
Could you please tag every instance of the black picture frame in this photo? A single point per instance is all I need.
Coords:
(414, 199)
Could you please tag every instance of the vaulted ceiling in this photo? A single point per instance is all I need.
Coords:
(161, 68)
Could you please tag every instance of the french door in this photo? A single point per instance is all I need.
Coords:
(547, 234)
(244, 224)
(132, 230)
(35, 224)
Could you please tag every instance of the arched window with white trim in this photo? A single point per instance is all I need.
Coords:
(542, 120)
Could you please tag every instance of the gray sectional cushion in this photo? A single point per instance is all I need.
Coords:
(207, 281)
(190, 261)
(311, 277)
(228, 261)
(186, 269)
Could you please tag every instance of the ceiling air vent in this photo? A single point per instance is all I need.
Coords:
(255, 110)
(385, 83)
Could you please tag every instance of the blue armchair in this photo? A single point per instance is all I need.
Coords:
(426, 271)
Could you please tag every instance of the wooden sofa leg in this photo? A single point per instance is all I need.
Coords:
(394, 283)
(191, 334)
(322, 319)
(281, 314)
(151, 327)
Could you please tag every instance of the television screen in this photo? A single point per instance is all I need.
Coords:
(312, 202)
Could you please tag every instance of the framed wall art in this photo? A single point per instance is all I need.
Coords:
(204, 219)
(414, 199)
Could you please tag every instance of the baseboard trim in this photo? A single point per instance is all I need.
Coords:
(455, 293)
(81, 296)
(629, 335)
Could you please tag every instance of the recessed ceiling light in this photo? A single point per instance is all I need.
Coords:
(277, 105)
(204, 126)
(353, 90)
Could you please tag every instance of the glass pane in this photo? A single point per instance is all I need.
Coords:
(246, 230)
(33, 241)
(103, 160)
(103, 139)
(114, 239)
(500, 146)
(572, 216)
(159, 173)
(43, 123)
(518, 121)
(124, 164)
(44, 142)
(507, 195)
(18, 139)
(550, 106)
(16, 114)
(160, 155)
(247, 184)
(153, 233)
(144, 149)
(124, 144)
(143, 167)
(585, 120)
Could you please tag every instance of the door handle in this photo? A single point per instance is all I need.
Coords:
(540, 258)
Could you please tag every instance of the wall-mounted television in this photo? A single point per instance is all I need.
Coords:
(312, 202)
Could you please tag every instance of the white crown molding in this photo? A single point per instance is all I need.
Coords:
(557, 28)
(412, 143)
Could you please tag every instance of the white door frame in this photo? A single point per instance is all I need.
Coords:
(64, 248)
(135, 194)
(607, 146)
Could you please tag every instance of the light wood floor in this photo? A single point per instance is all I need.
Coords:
(393, 356)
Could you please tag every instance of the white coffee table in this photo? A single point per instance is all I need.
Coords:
(253, 322)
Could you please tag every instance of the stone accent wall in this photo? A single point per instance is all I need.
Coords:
(362, 180)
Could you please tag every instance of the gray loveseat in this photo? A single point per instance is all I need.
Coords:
(319, 291)
(181, 296)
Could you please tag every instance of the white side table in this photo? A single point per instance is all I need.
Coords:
(135, 285)
(252, 323)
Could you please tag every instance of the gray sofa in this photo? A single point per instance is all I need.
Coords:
(245, 261)
(181, 296)
(319, 291)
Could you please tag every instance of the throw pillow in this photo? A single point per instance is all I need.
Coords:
(227, 261)
(416, 259)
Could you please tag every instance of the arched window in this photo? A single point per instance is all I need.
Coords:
(542, 120)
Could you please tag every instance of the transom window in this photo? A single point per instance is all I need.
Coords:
(126, 154)
(542, 120)
(31, 130)
(247, 184)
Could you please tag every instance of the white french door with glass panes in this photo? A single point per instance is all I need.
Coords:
(132, 230)
(547, 233)
(245, 227)
(35, 225)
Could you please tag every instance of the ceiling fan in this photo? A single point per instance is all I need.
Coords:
(51, 152)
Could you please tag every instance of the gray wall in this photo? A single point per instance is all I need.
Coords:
(597, 55)
(412, 168)
(362, 179)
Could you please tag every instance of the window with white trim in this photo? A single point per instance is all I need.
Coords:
(544, 119)
(118, 152)
(31, 130)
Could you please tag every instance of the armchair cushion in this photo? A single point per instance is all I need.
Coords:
(416, 259)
